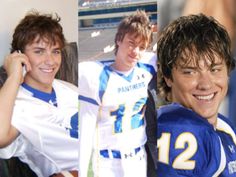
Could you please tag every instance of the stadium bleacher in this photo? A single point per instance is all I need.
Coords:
(92, 48)
(98, 25)
(86, 3)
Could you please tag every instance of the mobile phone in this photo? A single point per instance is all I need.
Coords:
(23, 66)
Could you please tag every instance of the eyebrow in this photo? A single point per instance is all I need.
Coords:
(217, 64)
(42, 48)
(187, 67)
(57, 48)
(139, 43)
(197, 67)
(131, 38)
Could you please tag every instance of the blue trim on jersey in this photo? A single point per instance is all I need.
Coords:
(107, 61)
(74, 123)
(109, 68)
(115, 154)
(227, 120)
(47, 97)
(104, 153)
(168, 114)
(128, 78)
(147, 67)
(90, 100)
(137, 120)
(119, 113)
(103, 78)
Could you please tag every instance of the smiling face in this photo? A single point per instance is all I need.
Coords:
(200, 87)
(45, 60)
(130, 50)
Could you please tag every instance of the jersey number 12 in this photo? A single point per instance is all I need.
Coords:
(136, 120)
(186, 141)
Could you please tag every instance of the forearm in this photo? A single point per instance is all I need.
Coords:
(88, 119)
(13, 66)
(85, 150)
(8, 94)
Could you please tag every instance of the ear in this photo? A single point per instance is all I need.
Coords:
(118, 42)
(168, 81)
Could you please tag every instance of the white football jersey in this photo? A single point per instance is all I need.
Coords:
(48, 137)
(121, 98)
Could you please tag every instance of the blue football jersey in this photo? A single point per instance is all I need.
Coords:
(190, 146)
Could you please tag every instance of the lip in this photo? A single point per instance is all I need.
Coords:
(47, 70)
(205, 97)
(133, 58)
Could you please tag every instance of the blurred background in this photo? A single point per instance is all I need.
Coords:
(98, 20)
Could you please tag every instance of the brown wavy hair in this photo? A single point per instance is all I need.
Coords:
(33, 25)
(137, 24)
(189, 39)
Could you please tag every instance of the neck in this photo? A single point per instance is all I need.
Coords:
(213, 122)
(43, 88)
(118, 66)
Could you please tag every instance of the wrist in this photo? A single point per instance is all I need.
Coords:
(14, 78)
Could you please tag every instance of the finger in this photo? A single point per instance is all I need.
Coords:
(25, 61)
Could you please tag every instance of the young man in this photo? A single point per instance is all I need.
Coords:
(195, 62)
(43, 130)
(112, 99)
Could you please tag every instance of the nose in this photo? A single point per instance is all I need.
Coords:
(49, 58)
(136, 50)
(205, 81)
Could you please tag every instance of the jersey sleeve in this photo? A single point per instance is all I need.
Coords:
(188, 143)
(88, 111)
(89, 82)
(150, 58)
(165, 170)
(12, 149)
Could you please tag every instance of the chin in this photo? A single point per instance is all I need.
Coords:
(133, 64)
(208, 115)
(48, 81)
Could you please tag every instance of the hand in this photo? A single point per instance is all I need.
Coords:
(13, 65)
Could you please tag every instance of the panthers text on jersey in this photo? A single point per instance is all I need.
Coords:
(119, 101)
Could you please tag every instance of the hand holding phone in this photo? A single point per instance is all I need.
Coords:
(23, 66)
(23, 70)
(17, 65)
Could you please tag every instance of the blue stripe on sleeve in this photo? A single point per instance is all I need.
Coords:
(90, 100)
(104, 77)
(147, 67)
